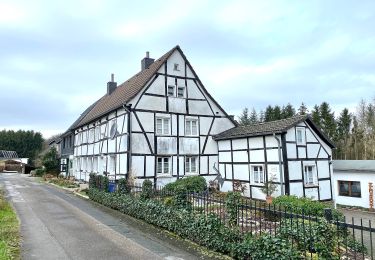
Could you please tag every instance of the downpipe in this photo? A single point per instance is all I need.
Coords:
(280, 168)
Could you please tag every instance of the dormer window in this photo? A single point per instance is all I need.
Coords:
(171, 91)
(176, 67)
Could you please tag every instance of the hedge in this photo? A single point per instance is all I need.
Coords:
(206, 230)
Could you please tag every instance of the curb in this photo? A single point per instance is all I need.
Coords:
(67, 189)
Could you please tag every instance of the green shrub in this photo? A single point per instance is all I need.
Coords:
(190, 184)
(146, 189)
(92, 180)
(40, 172)
(232, 202)
(305, 206)
(265, 247)
(123, 187)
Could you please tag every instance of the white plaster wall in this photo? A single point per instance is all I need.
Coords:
(189, 145)
(122, 163)
(214, 160)
(215, 108)
(138, 165)
(174, 165)
(193, 90)
(220, 125)
(176, 58)
(177, 105)
(241, 172)
(181, 165)
(296, 188)
(255, 142)
(364, 178)
(324, 190)
(309, 136)
(225, 157)
(198, 107)
(239, 144)
(135, 124)
(323, 169)
(257, 193)
(240, 156)
(122, 143)
(291, 135)
(224, 144)
(147, 121)
(222, 169)
(228, 169)
(312, 150)
(152, 103)
(157, 87)
(301, 152)
(111, 145)
(312, 193)
(181, 122)
(271, 141)
(150, 165)
(211, 146)
(292, 151)
(174, 124)
(295, 171)
(323, 154)
(257, 156)
(166, 145)
(139, 144)
(204, 124)
(203, 164)
(274, 170)
(273, 155)
(227, 186)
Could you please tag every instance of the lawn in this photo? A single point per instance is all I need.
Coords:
(9, 231)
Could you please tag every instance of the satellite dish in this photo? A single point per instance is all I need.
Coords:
(113, 132)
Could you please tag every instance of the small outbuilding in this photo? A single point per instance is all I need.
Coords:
(293, 152)
(353, 182)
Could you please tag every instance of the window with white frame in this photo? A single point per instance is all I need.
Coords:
(163, 125)
(180, 92)
(163, 165)
(171, 91)
(191, 126)
(300, 135)
(257, 173)
(191, 163)
(310, 175)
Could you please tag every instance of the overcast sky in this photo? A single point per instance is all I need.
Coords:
(56, 56)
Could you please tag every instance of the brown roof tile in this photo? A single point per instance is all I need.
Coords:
(124, 92)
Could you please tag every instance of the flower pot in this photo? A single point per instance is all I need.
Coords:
(268, 199)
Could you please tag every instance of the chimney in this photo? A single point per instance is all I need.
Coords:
(111, 85)
(147, 61)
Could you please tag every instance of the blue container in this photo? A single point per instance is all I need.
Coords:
(112, 187)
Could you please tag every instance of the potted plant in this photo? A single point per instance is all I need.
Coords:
(269, 188)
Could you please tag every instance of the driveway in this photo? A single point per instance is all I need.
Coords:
(56, 224)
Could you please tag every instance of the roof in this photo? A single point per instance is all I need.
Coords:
(124, 92)
(359, 166)
(272, 127)
(8, 154)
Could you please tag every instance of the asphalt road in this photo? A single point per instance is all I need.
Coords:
(56, 224)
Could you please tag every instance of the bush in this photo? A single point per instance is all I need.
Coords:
(146, 189)
(40, 172)
(189, 184)
(92, 180)
(305, 206)
(232, 201)
(50, 161)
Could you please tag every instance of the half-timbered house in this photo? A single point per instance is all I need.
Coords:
(293, 152)
(158, 125)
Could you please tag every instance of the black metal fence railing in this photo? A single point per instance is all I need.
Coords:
(349, 239)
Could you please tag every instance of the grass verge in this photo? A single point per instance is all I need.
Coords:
(9, 231)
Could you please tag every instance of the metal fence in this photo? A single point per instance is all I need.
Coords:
(352, 238)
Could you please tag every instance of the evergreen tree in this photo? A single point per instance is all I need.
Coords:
(268, 114)
(302, 110)
(277, 113)
(327, 118)
(261, 116)
(244, 118)
(343, 133)
(288, 111)
(315, 114)
(253, 116)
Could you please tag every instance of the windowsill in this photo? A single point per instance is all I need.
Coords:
(348, 196)
(164, 176)
(311, 185)
(191, 174)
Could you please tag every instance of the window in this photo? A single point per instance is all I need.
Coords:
(310, 178)
(300, 135)
(258, 174)
(176, 66)
(171, 91)
(191, 164)
(350, 188)
(180, 92)
(191, 127)
(163, 165)
(162, 125)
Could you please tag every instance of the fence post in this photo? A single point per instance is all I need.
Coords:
(328, 214)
